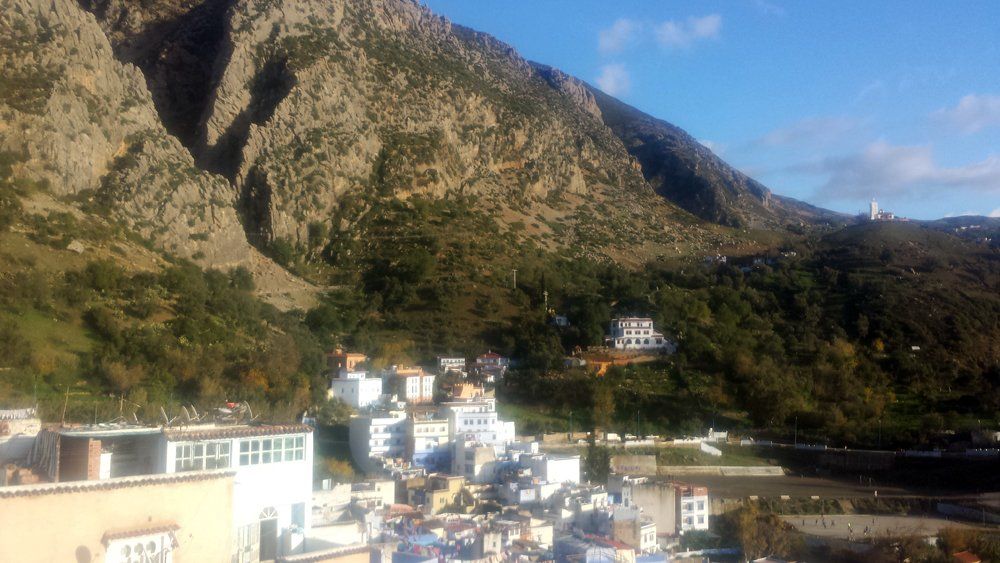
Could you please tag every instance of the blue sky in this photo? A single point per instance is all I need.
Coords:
(829, 102)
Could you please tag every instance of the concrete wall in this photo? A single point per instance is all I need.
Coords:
(16, 438)
(69, 526)
(634, 464)
(723, 470)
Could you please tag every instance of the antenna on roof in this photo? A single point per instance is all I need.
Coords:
(166, 420)
(250, 411)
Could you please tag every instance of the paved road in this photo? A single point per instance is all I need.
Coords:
(836, 526)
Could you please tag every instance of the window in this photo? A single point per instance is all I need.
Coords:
(701, 505)
(257, 451)
(191, 456)
(701, 519)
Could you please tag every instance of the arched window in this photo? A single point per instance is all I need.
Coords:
(645, 341)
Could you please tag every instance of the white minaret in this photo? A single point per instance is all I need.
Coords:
(873, 211)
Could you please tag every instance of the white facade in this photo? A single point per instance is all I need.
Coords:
(272, 489)
(476, 461)
(428, 442)
(873, 211)
(551, 469)
(694, 509)
(450, 363)
(355, 389)
(477, 421)
(638, 333)
(418, 389)
(380, 436)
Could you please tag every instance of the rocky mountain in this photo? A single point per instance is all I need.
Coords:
(689, 174)
(82, 124)
(219, 127)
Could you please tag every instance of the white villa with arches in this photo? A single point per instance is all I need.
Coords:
(638, 333)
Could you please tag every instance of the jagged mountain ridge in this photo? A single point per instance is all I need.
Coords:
(689, 174)
(290, 111)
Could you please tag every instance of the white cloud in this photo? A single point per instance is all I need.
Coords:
(769, 8)
(873, 91)
(973, 113)
(614, 79)
(673, 33)
(811, 130)
(622, 33)
(995, 213)
(882, 168)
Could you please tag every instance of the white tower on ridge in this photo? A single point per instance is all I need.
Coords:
(873, 211)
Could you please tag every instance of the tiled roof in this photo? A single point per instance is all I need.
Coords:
(966, 557)
(142, 531)
(211, 433)
(112, 484)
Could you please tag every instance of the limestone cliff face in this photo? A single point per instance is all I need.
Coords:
(213, 126)
(75, 118)
(318, 99)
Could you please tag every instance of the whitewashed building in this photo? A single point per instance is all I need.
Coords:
(428, 444)
(476, 461)
(356, 389)
(692, 507)
(638, 333)
(478, 421)
(412, 385)
(450, 363)
(272, 489)
(377, 437)
(553, 469)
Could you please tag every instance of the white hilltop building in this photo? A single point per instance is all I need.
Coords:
(876, 214)
(638, 333)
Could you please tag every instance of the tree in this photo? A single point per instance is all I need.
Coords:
(597, 463)
(339, 470)
(760, 535)
(10, 209)
(334, 412)
(604, 404)
(121, 377)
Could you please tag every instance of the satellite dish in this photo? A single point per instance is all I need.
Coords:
(163, 414)
(194, 414)
(185, 415)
